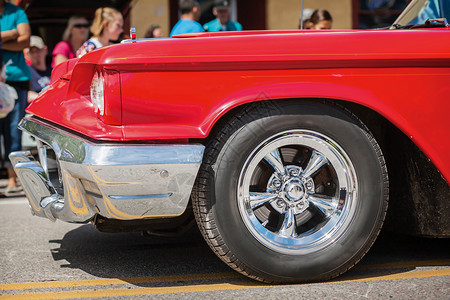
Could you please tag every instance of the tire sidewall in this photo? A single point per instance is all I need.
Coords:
(351, 245)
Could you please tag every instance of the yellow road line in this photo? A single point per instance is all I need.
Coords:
(403, 275)
(193, 277)
(117, 281)
(203, 287)
(134, 291)
(404, 264)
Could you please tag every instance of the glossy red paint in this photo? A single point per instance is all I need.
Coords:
(179, 88)
(77, 109)
(63, 70)
(113, 108)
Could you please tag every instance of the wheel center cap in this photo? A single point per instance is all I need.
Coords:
(294, 191)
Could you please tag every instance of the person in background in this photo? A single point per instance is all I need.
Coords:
(75, 34)
(320, 19)
(154, 31)
(40, 72)
(15, 36)
(190, 13)
(222, 22)
(304, 17)
(106, 27)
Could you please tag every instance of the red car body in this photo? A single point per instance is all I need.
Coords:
(158, 92)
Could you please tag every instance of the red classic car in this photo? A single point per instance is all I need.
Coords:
(278, 143)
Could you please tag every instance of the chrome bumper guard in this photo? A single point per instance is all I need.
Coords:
(75, 179)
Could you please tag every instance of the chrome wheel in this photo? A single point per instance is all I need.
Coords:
(309, 191)
(297, 192)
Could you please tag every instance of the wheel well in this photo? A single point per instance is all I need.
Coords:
(419, 196)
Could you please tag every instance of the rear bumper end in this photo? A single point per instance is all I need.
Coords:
(74, 179)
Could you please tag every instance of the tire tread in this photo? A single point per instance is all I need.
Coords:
(201, 191)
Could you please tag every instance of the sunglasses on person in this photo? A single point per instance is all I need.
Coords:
(81, 25)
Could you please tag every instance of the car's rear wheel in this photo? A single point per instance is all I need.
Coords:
(291, 192)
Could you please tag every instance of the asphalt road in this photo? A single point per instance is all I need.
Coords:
(44, 260)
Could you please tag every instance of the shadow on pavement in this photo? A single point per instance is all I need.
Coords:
(130, 255)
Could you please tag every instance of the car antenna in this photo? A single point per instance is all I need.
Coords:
(301, 17)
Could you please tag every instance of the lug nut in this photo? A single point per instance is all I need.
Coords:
(276, 183)
(294, 172)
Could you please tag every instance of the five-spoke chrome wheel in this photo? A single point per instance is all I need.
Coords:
(291, 191)
(297, 191)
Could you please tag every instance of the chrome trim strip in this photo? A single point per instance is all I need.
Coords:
(72, 148)
(20, 156)
(35, 183)
(142, 39)
(42, 152)
(140, 196)
(134, 181)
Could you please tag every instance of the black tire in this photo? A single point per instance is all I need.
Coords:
(311, 224)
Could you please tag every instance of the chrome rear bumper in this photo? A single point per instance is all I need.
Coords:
(76, 179)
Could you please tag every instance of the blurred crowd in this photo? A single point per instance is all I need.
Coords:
(25, 71)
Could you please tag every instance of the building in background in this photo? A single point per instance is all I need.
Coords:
(275, 14)
(48, 17)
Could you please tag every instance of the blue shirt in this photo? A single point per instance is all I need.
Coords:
(40, 79)
(186, 26)
(215, 25)
(16, 67)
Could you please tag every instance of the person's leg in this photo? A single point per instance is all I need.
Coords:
(13, 136)
(3, 128)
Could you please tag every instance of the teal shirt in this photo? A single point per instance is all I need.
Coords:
(186, 26)
(16, 67)
(215, 25)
